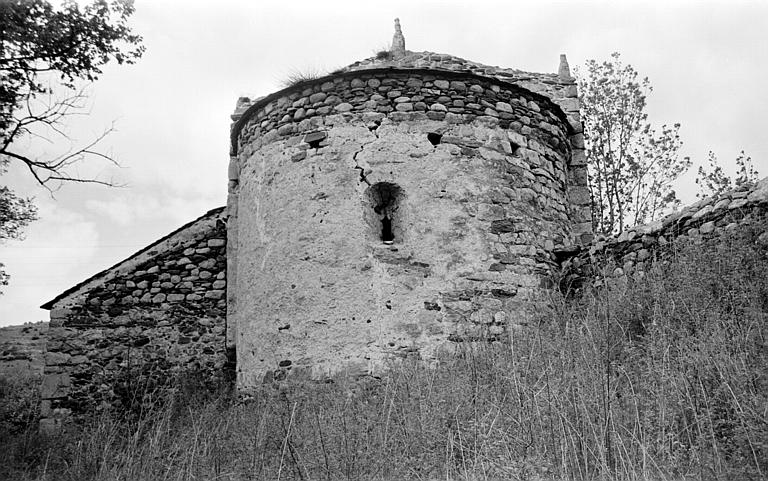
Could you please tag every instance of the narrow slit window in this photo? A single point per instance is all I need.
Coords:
(386, 230)
(385, 215)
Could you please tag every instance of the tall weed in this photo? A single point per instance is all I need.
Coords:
(658, 377)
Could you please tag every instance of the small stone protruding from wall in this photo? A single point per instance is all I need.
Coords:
(564, 71)
(398, 41)
(242, 105)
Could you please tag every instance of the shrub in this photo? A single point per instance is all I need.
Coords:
(19, 402)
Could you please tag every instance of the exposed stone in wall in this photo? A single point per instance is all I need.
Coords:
(157, 314)
(633, 251)
(535, 129)
(483, 183)
(559, 88)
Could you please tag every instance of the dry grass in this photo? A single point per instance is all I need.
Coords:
(661, 379)
(296, 76)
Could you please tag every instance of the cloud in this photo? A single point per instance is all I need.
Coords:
(56, 254)
(136, 209)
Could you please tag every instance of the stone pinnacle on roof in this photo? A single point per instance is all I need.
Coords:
(398, 41)
(564, 71)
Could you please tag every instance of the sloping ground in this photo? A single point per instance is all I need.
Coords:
(21, 349)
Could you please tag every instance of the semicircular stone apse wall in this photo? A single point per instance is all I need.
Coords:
(387, 213)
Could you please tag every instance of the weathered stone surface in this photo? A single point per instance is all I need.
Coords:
(635, 248)
(343, 107)
(55, 386)
(475, 218)
(303, 257)
(87, 355)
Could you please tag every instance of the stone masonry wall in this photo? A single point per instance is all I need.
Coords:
(487, 185)
(137, 325)
(632, 252)
(559, 87)
(543, 132)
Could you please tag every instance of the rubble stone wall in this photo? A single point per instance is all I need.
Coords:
(631, 253)
(139, 324)
(477, 177)
(545, 132)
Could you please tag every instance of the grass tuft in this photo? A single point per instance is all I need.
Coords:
(296, 77)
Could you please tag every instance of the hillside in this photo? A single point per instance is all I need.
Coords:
(21, 349)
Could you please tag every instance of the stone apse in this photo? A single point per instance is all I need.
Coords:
(393, 208)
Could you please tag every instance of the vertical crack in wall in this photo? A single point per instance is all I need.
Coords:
(359, 167)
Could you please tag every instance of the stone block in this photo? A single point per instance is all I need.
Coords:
(80, 359)
(55, 386)
(442, 84)
(343, 107)
(53, 358)
(580, 195)
(702, 212)
(737, 204)
(60, 313)
(568, 104)
(760, 192)
(215, 294)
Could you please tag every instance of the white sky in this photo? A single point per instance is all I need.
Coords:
(707, 61)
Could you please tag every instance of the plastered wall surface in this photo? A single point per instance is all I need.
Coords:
(483, 195)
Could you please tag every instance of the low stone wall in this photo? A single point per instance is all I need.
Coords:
(633, 251)
(135, 326)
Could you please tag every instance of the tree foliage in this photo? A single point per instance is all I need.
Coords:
(712, 180)
(15, 214)
(631, 164)
(47, 53)
(42, 46)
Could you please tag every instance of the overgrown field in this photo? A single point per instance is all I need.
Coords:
(664, 377)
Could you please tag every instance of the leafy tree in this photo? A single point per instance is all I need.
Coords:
(45, 49)
(631, 165)
(72, 43)
(15, 214)
(713, 180)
